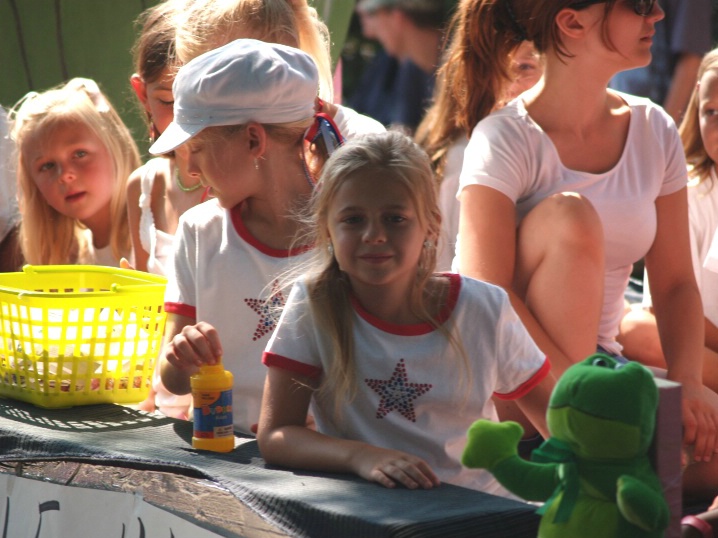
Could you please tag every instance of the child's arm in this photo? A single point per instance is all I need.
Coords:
(535, 403)
(285, 440)
(187, 346)
(134, 188)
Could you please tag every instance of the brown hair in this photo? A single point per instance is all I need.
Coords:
(154, 49)
(475, 69)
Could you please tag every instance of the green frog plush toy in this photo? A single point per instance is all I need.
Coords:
(593, 472)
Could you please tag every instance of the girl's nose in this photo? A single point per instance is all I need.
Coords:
(192, 168)
(375, 232)
(66, 174)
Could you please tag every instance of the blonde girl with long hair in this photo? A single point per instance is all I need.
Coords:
(396, 360)
(74, 157)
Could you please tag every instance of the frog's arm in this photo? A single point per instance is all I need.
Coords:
(641, 504)
(529, 480)
(493, 446)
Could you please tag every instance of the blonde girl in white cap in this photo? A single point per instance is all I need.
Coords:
(74, 156)
(241, 114)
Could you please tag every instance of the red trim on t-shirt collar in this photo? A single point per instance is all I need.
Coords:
(244, 233)
(415, 329)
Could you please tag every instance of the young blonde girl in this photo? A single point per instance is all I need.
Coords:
(699, 134)
(397, 361)
(74, 157)
(241, 113)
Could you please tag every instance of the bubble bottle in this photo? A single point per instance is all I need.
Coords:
(212, 402)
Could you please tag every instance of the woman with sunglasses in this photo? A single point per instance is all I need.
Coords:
(565, 187)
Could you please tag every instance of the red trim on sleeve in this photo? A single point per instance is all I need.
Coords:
(527, 385)
(285, 363)
(181, 309)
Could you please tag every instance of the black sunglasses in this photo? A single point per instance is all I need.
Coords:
(323, 130)
(641, 7)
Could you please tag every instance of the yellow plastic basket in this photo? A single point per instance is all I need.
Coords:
(79, 334)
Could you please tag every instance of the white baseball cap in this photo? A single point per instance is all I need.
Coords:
(245, 80)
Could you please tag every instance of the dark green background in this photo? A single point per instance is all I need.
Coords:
(45, 42)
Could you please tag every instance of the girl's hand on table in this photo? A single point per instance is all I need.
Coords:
(392, 467)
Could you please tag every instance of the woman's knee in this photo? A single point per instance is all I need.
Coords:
(563, 221)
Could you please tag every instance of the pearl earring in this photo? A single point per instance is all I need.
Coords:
(256, 164)
(428, 244)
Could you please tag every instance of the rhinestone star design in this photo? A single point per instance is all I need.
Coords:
(268, 310)
(397, 394)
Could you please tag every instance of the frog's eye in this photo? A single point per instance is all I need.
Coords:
(602, 362)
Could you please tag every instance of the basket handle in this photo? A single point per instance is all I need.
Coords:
(131, 273)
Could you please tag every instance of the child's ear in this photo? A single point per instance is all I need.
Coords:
(257, 139)
(140, 89)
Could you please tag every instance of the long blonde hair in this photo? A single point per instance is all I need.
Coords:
(47, 236)
(690, 130)
(397, 159)
(208, 24)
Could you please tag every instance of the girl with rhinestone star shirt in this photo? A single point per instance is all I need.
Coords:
(397, 361)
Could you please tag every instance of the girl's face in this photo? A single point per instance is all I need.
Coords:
(708, 112)
(217, 161)
(375, 232)
(526, 70)
(157, 98)
(72, 169)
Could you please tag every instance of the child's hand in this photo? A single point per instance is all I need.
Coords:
(700, 420)
(125, 264)
(148, 404)
(392, 467)
(194, 346)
